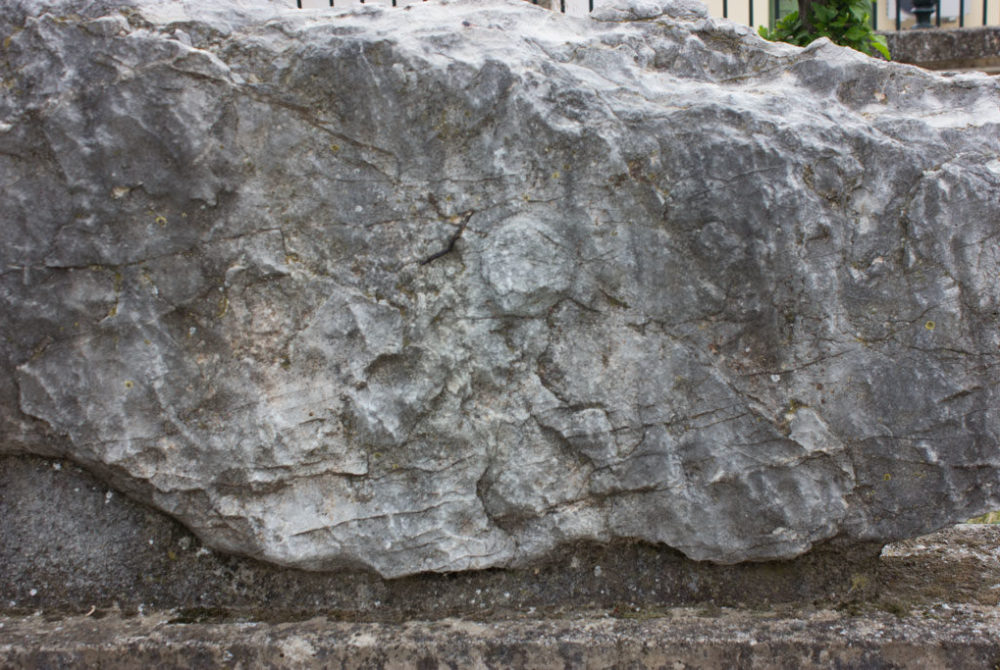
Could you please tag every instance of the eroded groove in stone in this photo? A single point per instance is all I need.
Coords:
(443, 288)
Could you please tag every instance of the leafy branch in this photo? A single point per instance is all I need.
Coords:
(845, 22)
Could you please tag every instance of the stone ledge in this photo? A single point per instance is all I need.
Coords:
(961, 48)
(680, 638)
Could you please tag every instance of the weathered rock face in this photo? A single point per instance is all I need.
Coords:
(441, 288)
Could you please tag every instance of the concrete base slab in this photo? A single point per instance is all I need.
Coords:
(961, 637)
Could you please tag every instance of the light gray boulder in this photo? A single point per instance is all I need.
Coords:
(443, 287)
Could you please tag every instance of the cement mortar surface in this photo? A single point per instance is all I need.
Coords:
(681, 638)
(972, 48)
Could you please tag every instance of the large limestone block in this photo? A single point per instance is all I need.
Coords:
(440, 288)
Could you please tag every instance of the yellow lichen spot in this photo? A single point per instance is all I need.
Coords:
(858, 583)
(6, 42)
(160, 220)
(147, 341)
(886, 477)
(113, 311)
(555, 175)
(929, 325)
(334, 148)
(795, 405)
(129, 383)
(291, 258)
(119, 192)
(223, 307)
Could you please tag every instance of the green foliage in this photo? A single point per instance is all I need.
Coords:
(845, 22)
(990, 517)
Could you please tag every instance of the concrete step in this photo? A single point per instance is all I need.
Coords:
(938, 637)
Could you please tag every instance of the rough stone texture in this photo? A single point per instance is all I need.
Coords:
(684, 639)
(947, 49)
(70, 544)
(447, 287)
(73, 594)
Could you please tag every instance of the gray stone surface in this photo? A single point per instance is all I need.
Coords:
(88, 579)
(948, 49)
(71, 544)
(686, 639)
(444, 288)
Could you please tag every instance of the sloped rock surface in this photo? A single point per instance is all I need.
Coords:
(441, 288)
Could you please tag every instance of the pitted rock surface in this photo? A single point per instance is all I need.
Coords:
(444, 287)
